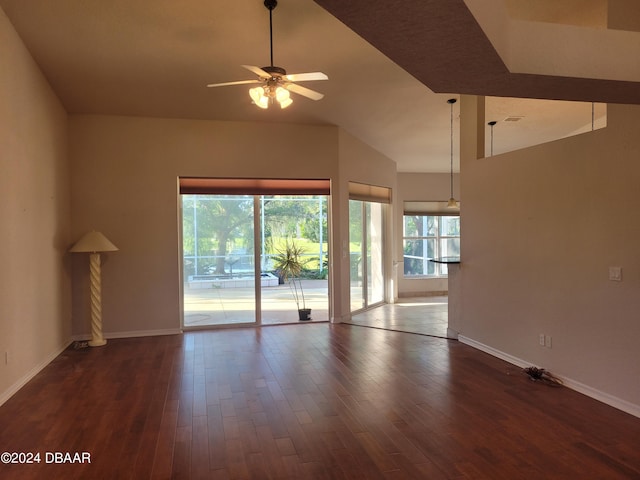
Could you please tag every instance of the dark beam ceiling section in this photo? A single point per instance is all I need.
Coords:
(440, 43)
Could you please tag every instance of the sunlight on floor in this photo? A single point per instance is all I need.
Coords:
(423, 315)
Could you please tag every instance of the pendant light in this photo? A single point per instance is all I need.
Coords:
(492, 124)
(452, 201)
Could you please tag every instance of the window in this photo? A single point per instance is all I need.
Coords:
(426, 237)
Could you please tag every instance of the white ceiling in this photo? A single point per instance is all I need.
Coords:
(155, 58)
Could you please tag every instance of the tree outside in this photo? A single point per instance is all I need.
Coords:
(218, 231)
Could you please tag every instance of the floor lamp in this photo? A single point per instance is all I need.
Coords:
(94, 243)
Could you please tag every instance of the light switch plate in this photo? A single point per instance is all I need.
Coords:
(615, 274)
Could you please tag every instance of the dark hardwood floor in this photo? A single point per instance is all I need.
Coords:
(308, 401)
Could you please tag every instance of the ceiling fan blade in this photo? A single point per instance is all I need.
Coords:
(304, 91)
(258, 71)
(306, 77)
(241, 82)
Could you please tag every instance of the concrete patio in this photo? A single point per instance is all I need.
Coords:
(228, 306)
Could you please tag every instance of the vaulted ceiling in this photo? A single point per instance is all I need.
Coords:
(391, 64)
(446, 47)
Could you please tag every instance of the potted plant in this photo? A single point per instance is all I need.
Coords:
(289, 263)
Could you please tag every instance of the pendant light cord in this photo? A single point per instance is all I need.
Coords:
(452, 101)
(492, 124)
(492, 140)
(452, 202)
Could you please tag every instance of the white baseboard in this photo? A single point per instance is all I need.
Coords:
(423, 293)
(7, 394)
(132, 334)
(603, 397)
(492, 351)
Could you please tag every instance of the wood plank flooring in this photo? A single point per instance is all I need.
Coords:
(308, 401)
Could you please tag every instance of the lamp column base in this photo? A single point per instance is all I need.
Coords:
(97, 340)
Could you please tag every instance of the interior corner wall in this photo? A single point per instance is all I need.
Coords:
(542, 227)
(124, 184)
(35, 293)
(358, 162)
(420, 187)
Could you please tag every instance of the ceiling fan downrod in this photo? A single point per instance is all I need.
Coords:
(271, 4)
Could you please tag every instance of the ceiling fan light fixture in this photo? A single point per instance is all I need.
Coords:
(281, 94)
(258, 96)
(283, 97)
(285, 103)
(275, 83)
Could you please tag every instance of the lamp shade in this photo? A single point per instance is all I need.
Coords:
(93, 242)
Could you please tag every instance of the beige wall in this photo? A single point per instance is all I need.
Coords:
(541, 228)
(35, 217)
(124, 174)
(420, 187)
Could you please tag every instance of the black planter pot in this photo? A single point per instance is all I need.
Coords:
(304, 314)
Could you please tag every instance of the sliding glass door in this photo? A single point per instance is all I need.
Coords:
(231, 249)
(366, 227)
(294, 224)
(218, 259)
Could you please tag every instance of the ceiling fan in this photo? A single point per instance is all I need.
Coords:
(275, 83)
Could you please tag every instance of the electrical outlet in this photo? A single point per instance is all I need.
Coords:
(547, 341)
(541, 340)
